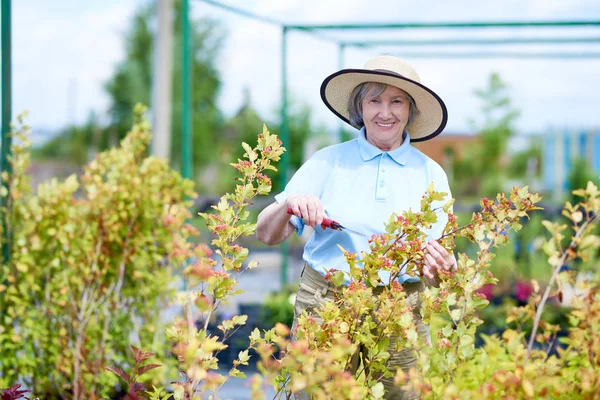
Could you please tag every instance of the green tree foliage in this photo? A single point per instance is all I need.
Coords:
(91, 267)
(527, 164)
(132, 81)
(75, 144)
(482, 170)
(579, 175)
(239, 128)
(300, 131)
(242, 128)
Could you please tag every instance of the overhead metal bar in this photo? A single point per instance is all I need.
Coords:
(244, 13)
(260, 18)
(453, 25)
(540, 40)
(515, 55)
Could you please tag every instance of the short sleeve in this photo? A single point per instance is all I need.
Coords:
(309, 180)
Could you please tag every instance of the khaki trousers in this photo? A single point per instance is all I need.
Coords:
(314, 290)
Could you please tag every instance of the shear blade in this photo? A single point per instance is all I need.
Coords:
(355, 232)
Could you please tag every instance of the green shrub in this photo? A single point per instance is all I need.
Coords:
(279, 306)
(90, 267)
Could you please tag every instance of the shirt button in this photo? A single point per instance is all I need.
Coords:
(381, 184)
(382, 169)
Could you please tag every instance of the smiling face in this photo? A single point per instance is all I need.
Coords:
(385, 116)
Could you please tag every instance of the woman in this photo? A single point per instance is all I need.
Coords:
(361, 182)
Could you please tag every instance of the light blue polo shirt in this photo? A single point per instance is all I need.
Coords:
(360, 186)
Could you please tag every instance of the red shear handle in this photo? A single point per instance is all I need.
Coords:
(327, 223)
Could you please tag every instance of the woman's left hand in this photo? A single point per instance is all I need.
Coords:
(437, 258)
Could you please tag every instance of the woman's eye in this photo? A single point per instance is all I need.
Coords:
(398, 101)
(374, 101)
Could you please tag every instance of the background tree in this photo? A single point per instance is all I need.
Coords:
(76, 143)
(579, 175)
(482, 171)
(245, 125)
(527, 163)
(301, 130)
(131, 83)
(132, 79)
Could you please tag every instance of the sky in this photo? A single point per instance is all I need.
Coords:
(64, 51)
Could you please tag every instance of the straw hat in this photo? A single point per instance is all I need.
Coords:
(427, 124)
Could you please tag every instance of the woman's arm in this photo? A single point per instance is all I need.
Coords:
(273, 225)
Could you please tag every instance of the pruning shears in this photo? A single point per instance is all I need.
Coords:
(331, 224)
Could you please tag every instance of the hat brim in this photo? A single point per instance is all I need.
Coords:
(433, 115)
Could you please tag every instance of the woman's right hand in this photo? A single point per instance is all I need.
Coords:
(307, 207)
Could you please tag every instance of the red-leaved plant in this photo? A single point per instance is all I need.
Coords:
(135, 388)
(13, 393)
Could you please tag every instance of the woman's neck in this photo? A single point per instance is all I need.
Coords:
(386, 145)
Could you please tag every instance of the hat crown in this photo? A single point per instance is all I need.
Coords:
(393, 64)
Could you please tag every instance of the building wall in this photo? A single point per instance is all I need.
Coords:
(436, 147)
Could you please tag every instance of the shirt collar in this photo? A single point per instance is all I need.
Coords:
(368, 151)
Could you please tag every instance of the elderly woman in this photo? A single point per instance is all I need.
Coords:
(361, 182)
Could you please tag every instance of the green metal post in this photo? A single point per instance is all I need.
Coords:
(186, 125)
(341, 48)
(6, 115)
(284, 250)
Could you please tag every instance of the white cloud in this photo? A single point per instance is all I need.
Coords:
(64, 55)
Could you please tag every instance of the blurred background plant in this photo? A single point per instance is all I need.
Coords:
(279, 306)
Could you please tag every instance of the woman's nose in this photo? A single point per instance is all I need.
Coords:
(384, 111)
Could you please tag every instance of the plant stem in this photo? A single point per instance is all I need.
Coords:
(563, 258)
(464, 310)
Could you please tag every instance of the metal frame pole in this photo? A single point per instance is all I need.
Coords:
(284, 249)
(6, 141)
(186, 125)
(162, 82)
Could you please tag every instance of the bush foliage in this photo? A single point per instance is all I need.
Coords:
(90, 267)
(73, 296)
